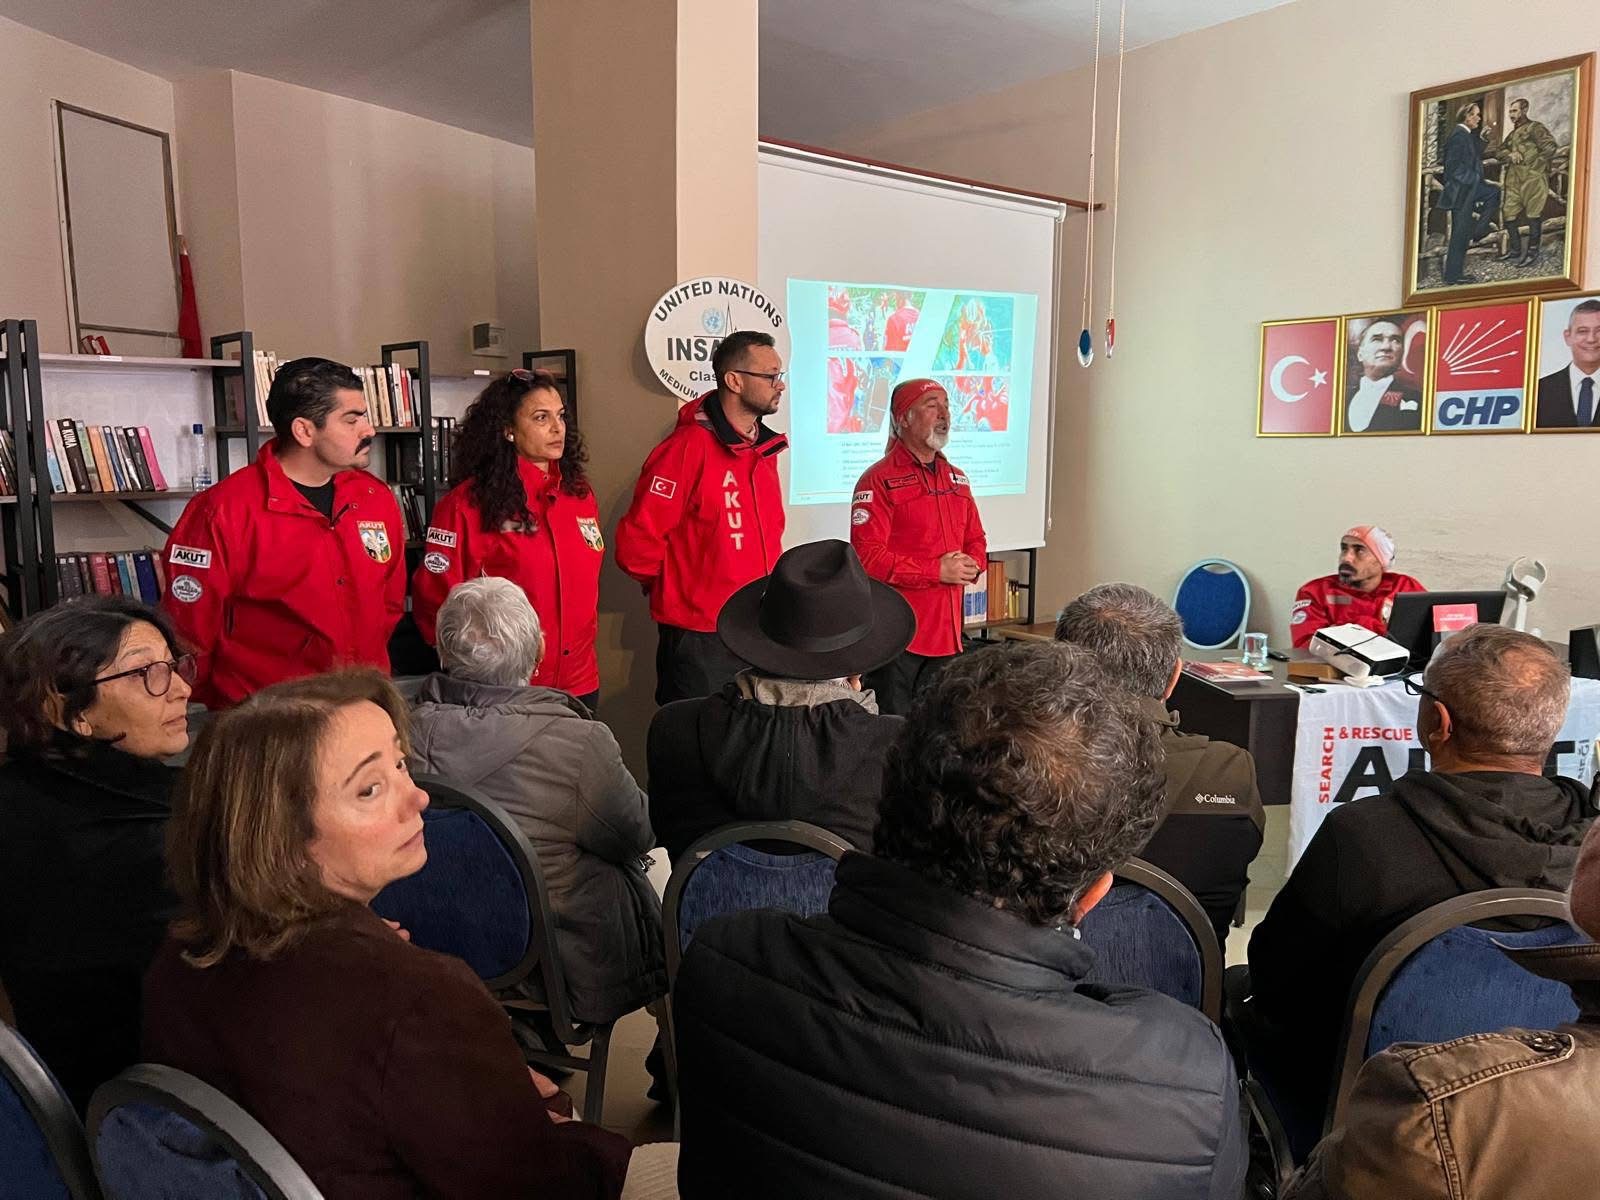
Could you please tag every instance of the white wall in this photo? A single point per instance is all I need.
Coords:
(360, 225)
(1263, 176)
(34, 70)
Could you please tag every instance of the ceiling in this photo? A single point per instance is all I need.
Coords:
(826, 65)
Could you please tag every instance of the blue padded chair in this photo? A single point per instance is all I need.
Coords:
(1150, 931)
(158, 1133)
(1213, 601)
(1436, 978)
(43, 1153)
(482, 898)
(721, 874)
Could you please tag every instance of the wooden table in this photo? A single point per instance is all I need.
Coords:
(1258, 716)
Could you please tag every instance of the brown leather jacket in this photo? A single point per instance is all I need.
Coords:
(1496, 1115)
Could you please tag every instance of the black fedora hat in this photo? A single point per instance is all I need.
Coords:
(817, 616)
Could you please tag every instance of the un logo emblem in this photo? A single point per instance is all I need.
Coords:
(714, 321)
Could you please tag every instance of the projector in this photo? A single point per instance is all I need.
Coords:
(1358, 652)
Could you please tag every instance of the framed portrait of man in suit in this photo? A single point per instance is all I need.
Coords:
(1385, 373)
(1567, 395)
(1497, 183)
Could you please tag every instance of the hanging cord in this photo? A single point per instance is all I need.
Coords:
(1086, 339)
(1116, 186)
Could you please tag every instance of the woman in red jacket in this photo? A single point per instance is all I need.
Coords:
(522, 509)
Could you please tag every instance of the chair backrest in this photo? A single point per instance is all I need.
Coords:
(1151, 932)
(1436, 978)
(156, 1132)
(481, 896)
(1213, 602)
(720, 874)
(43, 1154)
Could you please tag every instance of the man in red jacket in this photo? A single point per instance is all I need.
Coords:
(1362, 593)
(295, 564)
(707, 515)
(914, 524)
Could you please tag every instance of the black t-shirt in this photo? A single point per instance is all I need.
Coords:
(320, 498)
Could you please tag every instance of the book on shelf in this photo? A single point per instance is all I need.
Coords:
(102, 458)
(8, 465)
(1225, 672)
(110, 573)
(975, 602)
(392, 394)
(263, 367)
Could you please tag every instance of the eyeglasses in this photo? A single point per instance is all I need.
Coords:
(769, 376)
(1413, 684)
(158, 675)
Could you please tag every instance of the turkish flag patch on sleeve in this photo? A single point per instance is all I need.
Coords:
(663, 487)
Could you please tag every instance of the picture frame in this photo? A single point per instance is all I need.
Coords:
(1566, 333)
(1299, 362)
(1480, 378)
(1383, 375)
(1497, 198)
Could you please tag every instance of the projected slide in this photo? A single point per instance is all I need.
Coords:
(850, 343)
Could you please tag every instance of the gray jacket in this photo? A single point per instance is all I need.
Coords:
(559, 772)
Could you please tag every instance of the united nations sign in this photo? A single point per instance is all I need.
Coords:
(687, 323)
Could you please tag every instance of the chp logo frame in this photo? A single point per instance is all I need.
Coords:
(1481, 368)
(686, 325)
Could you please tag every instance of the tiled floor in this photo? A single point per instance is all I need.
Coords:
(628, 1111)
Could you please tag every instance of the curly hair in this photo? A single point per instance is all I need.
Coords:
(1024, 773)
(482, 454)
(48, 665)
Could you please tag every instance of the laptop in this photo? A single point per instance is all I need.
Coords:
(1411, 619)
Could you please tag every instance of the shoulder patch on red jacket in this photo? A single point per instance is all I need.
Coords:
(661, 486)
(442, 537)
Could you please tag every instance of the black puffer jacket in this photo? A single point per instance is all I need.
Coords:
(917, 1043)
(727, 758)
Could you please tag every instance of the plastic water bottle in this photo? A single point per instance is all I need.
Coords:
(202, 460)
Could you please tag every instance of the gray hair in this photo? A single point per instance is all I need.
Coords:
(489, 633)
(1507, 691)
(1022, 775)
(1135, 635)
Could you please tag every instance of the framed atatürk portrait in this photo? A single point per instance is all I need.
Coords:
(1497, 182)
(1385, 373)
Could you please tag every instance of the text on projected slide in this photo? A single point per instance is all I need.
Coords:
(853, 342)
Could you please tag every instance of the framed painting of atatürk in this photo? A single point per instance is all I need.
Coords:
(1497, 183)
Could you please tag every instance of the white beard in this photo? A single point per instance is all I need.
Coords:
(938, 440)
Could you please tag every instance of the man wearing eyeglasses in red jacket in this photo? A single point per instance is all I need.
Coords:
(914, 524)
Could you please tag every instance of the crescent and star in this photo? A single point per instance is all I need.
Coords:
(1275, 380)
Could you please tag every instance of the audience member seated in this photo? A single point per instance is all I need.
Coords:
(932, 1034)
(795, 736)
(386, 1070)
(559, 773)
(1483, 817)
(1502, 1114)
(1361, 593)
(1212, 822)
(93, 696)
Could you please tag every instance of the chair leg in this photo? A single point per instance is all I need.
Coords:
(594, 1092)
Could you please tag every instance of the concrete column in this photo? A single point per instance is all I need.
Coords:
(645, 173)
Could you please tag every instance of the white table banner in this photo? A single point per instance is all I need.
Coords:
(1355, 742)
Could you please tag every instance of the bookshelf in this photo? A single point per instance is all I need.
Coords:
(167, 393)
(1025, 583)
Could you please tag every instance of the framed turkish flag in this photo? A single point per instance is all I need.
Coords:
(1481, 367)
(1299, 377)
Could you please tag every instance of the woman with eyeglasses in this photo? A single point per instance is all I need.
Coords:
(522, 509)
(93, 697)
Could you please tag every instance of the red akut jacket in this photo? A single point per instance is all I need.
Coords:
(264, 587)
(1326, 601)
(706, 518)
(904, 517)
(557, 564)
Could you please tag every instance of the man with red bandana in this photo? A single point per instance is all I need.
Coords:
(1361, 593)
(914, 525)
